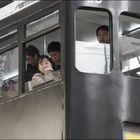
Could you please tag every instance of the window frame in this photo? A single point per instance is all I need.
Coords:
(24, 40)
(20, 26)
(110, 21)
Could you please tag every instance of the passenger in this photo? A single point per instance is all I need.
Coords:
(54, 49)
(102, 34)
(45, 66)
(32, 55)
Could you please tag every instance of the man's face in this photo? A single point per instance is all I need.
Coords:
(31, 60)
(103, 36)
(55, 56)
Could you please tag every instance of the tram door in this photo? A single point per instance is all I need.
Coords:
(30, 109)
(104, 75)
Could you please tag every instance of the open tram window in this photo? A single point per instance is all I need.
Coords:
(92, 46)
(9, 74)
(40, 71)
(130, 44)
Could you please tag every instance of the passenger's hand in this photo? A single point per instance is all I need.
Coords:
(38, 77)
(48, 70)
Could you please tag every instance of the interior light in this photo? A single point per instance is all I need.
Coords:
(138, 73)
(98, 1)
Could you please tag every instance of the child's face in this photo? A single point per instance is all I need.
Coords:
(45, 65)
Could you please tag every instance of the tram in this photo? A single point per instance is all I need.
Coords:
(97, 94)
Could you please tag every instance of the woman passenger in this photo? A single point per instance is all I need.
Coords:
(45, 66)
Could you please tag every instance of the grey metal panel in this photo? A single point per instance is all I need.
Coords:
(35, 116)
(99, 104)
(96, 107)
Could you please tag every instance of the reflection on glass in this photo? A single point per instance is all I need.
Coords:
(130, 44)
(8, 39)
(92, 48)
(14, 7)
(9, 74)
(42, 23)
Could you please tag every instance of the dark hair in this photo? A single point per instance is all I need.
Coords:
(103, 27)
(32, 51)
(54, 46)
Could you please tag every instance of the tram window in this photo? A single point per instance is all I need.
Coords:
(42, 23)
(34, 77)
(9, 74)
(130, 45)
(8, 39)
(92, 52)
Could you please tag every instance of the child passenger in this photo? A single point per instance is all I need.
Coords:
(45, 66)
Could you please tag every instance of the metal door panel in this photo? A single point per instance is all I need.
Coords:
(35, 116)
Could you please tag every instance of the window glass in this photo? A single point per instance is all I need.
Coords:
(8, 39)
(9, 74)
(42, 62)
(42, 23)
(14, 7)
(92, 52)
(130, 45)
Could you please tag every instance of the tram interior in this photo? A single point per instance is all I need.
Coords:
(130, 45)
(88, 50)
